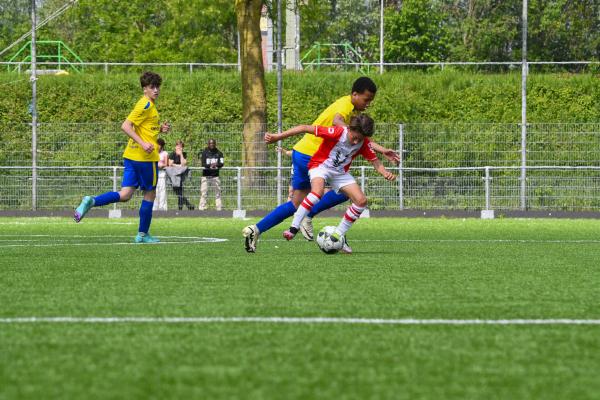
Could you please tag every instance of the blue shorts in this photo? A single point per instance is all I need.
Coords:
(140, 174)
(300, 178)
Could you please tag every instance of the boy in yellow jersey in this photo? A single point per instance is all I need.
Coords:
(140, 159)
(337, 114)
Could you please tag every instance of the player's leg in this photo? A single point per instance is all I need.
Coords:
(147, 175)
(359, 203)
(329, 200)
(301, 185)
(129, 183)
(317, 186)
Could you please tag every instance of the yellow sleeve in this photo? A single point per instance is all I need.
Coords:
(342, 106)
(140, 111)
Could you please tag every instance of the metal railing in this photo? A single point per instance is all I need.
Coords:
(433, 146)
(560, 188)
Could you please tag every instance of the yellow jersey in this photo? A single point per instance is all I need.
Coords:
(144, 117)
(309, 144)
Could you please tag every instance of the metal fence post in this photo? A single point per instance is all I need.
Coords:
(114, 213)
(114, 184)
(488, 213)
(362, 178)
(366, 213)
(239, 213)
(400, 165)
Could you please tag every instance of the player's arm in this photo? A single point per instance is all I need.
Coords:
(129, 130)
(390, 154)
(380, 168)
(297, 130)
(339, 120)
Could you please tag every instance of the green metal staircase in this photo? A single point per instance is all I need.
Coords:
(326, 54)
(49, 51)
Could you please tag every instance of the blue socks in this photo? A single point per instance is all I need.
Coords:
(145, 216)
(286, 210)
(329, 199)
(276, 216)
(106, 198)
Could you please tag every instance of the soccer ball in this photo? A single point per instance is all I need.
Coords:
(326, 243)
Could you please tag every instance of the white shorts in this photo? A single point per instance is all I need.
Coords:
(334, 178)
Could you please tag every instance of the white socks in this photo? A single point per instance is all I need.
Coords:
(352, 214)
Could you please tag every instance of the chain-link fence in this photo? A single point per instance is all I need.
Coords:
(423, 145)
(443, 166)
(495, 188)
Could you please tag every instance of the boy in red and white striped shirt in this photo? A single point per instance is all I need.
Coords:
(330, 164)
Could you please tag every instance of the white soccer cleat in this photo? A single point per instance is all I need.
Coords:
(346, 249)
(251, 235)
(306, 227)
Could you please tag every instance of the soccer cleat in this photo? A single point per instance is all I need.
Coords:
(145, 238)
(251, 234)
(306, 227)
(290, 233)
(84, 207)
(346, 249)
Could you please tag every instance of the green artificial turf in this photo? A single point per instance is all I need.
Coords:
(400, 269)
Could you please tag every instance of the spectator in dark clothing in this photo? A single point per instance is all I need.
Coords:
(179, 159)
(212, 161)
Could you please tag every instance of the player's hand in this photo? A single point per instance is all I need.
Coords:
(148, 147)
(271, 138)
(165, 127)
(389, 176)
(392, 156)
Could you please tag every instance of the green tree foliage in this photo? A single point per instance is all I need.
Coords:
(14, 20)
(563, 30)
(416, 32)
(147, 31)
(340, 21)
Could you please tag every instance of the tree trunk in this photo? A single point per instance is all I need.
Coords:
(254, 99)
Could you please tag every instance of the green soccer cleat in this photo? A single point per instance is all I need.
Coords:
(146, 238)
(86, 204)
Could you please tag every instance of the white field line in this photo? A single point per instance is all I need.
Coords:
(464, 240)
(64, 240)
(292, 320)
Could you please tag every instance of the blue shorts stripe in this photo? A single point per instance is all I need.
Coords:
(301, 179)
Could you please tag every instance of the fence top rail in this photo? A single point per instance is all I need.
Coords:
(491, 168)
(133, 64)
(366, 64)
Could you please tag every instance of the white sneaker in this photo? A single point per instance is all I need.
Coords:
(306, 227)
(251, 234)
(346, 249)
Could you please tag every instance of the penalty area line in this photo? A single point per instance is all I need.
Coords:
(292, 320)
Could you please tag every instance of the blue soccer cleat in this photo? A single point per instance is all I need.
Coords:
(146, 238)
(84, 207)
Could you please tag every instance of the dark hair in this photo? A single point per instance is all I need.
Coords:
(363, 84)
(363, 124)
(161, 142)
(150, 79)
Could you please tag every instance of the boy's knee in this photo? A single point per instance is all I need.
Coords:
(361, 202)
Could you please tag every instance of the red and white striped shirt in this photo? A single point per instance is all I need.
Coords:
(336, 152)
